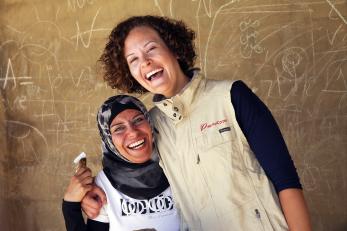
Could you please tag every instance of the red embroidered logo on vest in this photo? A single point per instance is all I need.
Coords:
(206, 125)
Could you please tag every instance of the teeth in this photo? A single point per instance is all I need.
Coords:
(136, 144)
(149, 74)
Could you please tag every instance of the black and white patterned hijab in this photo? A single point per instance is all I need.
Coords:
(139, 181)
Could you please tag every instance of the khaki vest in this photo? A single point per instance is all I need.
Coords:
(216, 180)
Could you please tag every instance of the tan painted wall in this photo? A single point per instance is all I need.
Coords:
(292, 53)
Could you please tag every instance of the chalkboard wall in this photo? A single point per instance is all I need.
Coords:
(292, 53)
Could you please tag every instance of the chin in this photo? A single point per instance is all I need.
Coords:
(140, 158)
(141, 161)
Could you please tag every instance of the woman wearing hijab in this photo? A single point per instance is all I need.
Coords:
(137, 191)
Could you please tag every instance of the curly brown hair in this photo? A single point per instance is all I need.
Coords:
(176, 35)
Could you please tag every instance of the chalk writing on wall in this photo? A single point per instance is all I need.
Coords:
(291, 53)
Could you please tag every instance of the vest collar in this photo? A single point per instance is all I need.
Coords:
(178, 106)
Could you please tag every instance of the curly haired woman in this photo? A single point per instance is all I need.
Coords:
(220, 147)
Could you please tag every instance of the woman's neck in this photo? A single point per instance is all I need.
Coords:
(182, 81)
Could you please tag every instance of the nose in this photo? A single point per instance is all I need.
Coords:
(132, 131)
(146, 61)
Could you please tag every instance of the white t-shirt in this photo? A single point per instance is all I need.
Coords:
(125, 213)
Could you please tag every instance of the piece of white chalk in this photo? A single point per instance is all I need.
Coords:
(79, 157)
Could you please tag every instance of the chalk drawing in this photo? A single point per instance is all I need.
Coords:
(20, 101)
(309, 175)
(291, 59)
(79, 36)
(248, 38)
(157, 4)
(73, 5)
(36, 49)
(207, 8)
(283, 45)
(337, 11)
(34, 91)
(84, 76)
(342, 106)
(23, 133)
(210, 34)
(293, 53)
(290, 67)
(332, 39)
(10, 76)
(335, 78)
(312, 41)
(55, 80)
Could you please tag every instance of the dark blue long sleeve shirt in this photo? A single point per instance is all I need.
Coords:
(264, 137)
(74, 220)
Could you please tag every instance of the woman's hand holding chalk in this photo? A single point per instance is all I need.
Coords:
(80, 161)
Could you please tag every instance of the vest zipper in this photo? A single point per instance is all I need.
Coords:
(201, 169)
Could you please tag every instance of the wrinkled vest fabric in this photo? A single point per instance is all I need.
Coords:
(216, 180)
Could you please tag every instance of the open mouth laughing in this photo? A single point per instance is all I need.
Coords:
(136, 145)
(154, 74)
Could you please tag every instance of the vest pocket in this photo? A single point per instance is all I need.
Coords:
(219, 146)
(213, 138)
(213, 146)
(249, 216)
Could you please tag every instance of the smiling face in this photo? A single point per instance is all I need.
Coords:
(152, 63)
(132, 135)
